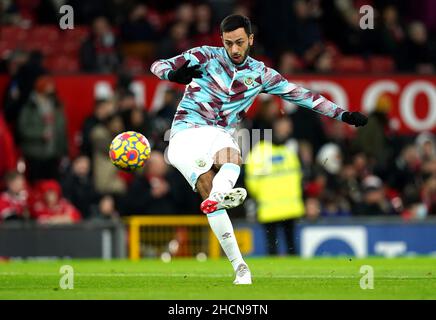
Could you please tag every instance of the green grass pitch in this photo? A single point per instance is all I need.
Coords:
(273, 278)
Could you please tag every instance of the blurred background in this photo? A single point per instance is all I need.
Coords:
(66, 93)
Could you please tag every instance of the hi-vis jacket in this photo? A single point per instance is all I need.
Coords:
(274, 179)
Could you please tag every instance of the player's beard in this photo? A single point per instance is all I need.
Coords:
(244, 56)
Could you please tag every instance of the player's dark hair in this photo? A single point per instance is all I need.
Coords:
(236, 21)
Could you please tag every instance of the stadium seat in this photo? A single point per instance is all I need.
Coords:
(350, 64)
(67, 48)
(134, 65)
(62, 64)
(77, 35)
(142, 50)
(13, 34)
(381, 64)
(46, 33)
(35, 44)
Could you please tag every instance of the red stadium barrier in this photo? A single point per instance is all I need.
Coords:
(413, 98)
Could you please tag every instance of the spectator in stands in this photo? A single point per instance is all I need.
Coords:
(78, 187)
(333, 205)
(392, 32)
(308, 127)
(428, 168)
(374, 201)
(329, 160)
(414, 208)
(324, 61)
(137, 28)
(289, 63)
(107, 178)
(350, 184)
(8, 151)
(373, 139)
(185, 13)
(105, 210)
(428, 194)
(405, 172)
(14, 97)
(305, 153)
(163, 118)
(337, 132)
(342, 24)
(123, 86)
(305, 34)
(154, 191)
(267, 112)
(419, 51)
(101, 52)
(175, 41)
(316, 186)
(135, 117)
(103, 108)
(85, 11)
(14, 201)
(24, 69)
(42, 130)
(51, 207)
(10, 14)
(270, 166)
(205, 33)
(426, 144)
(313, 208)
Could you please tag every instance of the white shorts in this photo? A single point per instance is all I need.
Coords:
(192, 151)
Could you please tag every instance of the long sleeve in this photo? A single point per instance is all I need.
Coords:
(162, 67)
(276, 84)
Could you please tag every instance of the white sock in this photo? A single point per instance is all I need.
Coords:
(226, 178)
(221, 225)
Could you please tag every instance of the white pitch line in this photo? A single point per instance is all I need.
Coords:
(145, 275)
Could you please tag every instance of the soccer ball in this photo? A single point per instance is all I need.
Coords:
(129, 150)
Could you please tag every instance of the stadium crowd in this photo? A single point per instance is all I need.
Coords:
(372, 171)
(291, 35)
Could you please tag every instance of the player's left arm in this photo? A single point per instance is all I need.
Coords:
(274, 83)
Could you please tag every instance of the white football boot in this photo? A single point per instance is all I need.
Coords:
(223, 200)
(243, 275)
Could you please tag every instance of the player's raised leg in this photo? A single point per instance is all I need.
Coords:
(227, 162)
(221, 225)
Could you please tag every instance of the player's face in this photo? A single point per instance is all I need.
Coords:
(237, 44)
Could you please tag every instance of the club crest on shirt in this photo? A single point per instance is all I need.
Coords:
(218, 70)
(248, 81)
(200, 163)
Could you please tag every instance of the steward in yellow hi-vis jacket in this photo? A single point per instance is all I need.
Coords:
(274, 179)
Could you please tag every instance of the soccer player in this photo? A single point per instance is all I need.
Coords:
(221, 84)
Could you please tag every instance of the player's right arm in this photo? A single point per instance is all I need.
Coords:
(182, 68)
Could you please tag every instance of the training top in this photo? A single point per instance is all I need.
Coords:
(226, 91)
